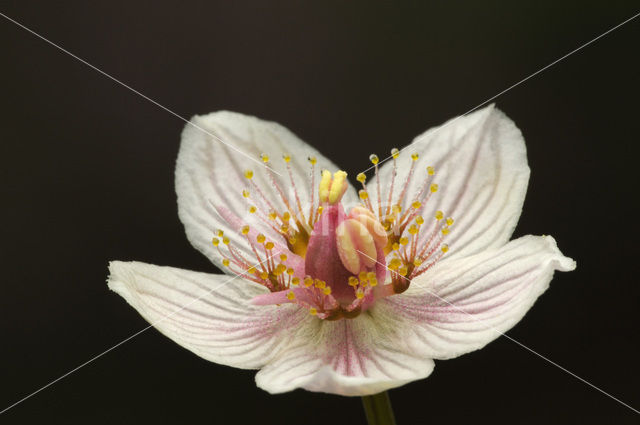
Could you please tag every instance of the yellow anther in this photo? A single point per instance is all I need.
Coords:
(245, 230)
(281, 268)
(264, 157)
(362, 276)
(292, 241)
(439, 215)
(371, 275)
(215, 241)
(433, 188)
(327, 290)
(264, 275)
(283, 257)
(373, 282)
(220, 233)
(308, 281)
(353, 281)
(444, 248)
(394, 263)
(269, 245)
(360, 294)
(397, 208)
(361, 177)
(365, 283)
(286, 216)
(419, 220)
(290, 271)
(395, 246)
(245, 193)
(415, 156)
(417, 262)
(416, 205)
(251, 270)
(248, 174)
(430, 171)
(313, 311)
(295, 281)
(325, 185)
(291, 296)
(312, 160)
(413, 229)
(402, 271)
(363, 194)
(395, 153)
(449, 221)
(286, 157)
(260, 238)
(252, 209)
(404, 240)
(284, 228)
(273, 215)
(374, 159)
(225, 240)
(225, 262)
(320, 284)
(445, 231)
(338, 187)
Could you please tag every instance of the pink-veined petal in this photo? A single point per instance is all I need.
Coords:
(481, 169)
(211, 315)
(209, 172)
(353, 357)
(462, 305)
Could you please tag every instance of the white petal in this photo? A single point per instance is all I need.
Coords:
(208, 314)
(354, 357)
(462, 305)
(481, 169)
(210, 172)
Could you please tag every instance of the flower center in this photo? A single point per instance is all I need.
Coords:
(333, 263)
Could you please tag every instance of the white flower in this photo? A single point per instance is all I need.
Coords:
(348, 301)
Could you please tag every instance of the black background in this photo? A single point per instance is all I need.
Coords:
(87, 177)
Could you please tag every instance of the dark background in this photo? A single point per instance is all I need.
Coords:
(87, 177)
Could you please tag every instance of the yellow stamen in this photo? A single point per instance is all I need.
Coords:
(248, 174)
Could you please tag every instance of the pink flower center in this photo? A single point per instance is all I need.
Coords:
(333, 263)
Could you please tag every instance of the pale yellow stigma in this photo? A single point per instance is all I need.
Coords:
(331, 188)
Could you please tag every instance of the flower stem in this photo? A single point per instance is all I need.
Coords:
(378, 409)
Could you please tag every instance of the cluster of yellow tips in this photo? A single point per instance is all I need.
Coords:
(268, 268)
(414, 244)
(292, 222)
(363, 281)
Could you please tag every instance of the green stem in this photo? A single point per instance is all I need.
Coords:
(378, 409)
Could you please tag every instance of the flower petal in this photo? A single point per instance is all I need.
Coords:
(353, 357)
(481, 168)
(462, 305)
(211, 315)
(211, 172)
